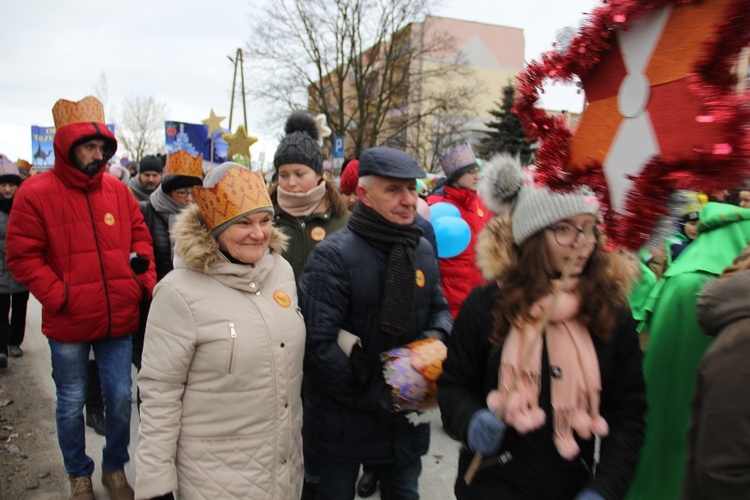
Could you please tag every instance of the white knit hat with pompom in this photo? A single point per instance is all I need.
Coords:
(506, 187)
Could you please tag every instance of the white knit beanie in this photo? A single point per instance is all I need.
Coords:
(506, 187)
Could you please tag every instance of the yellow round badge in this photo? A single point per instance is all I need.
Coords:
(318, 233)
(480, 212)
(420, 278)
(282, 299)
(109, 219)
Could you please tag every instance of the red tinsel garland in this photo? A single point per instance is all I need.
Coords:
(647, 201)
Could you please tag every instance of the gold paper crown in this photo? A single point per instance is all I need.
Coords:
(88, 109)
(183, 163)
(23, 164)
(238, 192)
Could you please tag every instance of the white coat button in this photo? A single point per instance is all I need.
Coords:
(252, 284)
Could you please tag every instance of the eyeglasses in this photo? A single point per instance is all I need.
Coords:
(183, 193)
(566, 234)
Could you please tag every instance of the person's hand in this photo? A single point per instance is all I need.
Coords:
(589, 494)
(485, 433)
(433, 334)
(385, 408)
(361, 364)
(138, 263)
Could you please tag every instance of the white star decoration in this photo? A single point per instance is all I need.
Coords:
(323, 129)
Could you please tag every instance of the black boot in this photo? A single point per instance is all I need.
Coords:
(95, 420)
(367, 483)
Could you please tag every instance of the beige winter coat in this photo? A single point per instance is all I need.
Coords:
(221, 377)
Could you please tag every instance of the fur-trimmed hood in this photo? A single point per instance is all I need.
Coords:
(196, 249)
(495, 248)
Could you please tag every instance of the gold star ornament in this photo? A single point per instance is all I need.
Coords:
(323, 129)
(239, 142)
(214, 123)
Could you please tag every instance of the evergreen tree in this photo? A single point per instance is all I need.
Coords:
(506, 134)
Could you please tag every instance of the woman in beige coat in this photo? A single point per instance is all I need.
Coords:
(222, 360)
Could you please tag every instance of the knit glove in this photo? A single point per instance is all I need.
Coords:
(385, 408)
(589, 494)
(485, 433)
(138, 263)
(432, 334)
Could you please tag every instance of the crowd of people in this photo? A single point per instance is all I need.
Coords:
(257, 317)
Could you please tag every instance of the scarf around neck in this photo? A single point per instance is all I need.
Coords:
(400, 286)
(575, 379)
(142, 192)
(167, 208)
(300, 204)
(6, 204)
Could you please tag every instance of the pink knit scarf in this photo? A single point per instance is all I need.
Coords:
(575, 379)
(300, 204)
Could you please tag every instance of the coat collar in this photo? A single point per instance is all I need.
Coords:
(198, 250)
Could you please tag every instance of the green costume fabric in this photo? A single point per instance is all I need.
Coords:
(676, 346)
(642, 287)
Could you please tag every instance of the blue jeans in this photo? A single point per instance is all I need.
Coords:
(69, 370)
(338, 480)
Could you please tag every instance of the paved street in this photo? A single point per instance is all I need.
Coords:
(439, 465)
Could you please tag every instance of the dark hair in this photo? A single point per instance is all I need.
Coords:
(603, 287)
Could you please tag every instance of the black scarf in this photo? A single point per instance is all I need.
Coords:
(400, 287)
(6, 204)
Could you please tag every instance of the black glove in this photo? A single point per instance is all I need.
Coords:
(433, 334)
(361, 364)
(138, 264)
(385, 408)
(167, 496)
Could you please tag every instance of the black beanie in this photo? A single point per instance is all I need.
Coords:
(170, 182)
(151, 163)
(10, 179)
(300, 145)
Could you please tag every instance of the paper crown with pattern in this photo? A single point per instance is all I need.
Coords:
(183, 163)
(239, 191)
(459, 157)
(88, 109)
(23, 164)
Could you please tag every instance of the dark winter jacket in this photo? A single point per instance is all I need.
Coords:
(718, 444)
(528, 466)
(70, 237)
(341, 288)
(306, 232)
(159, 229)
(8, 284)
(460, 274)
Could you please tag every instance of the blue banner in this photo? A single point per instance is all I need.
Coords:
(193, 138)
(42, 149)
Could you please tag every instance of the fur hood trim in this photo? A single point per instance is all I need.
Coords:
(494, 248)
(200, 250)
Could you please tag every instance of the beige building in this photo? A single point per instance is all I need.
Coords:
(431, 112)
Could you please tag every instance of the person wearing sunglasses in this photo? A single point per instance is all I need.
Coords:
(556, 407)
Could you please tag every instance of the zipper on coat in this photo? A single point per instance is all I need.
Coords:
(232, 347)
(101, 265)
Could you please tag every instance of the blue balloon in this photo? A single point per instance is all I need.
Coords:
(443, 209)
(453, 236)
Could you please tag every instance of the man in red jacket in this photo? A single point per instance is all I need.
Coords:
(460, 274)
(76, 239)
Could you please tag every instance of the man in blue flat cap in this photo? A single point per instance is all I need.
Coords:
(370, 287)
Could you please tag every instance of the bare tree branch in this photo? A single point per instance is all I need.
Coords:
(367, 65)
(141, 129)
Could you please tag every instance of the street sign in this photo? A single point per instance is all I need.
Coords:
(338, 147)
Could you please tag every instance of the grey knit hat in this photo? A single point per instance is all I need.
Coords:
(300, 145)
(506, 187)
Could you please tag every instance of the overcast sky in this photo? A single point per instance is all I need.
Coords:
(176, 51)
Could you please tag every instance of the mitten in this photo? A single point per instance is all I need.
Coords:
(589, 494)
(138, 264)
(361, 364)
(485, 433)
(433, 334)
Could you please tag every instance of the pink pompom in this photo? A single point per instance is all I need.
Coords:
(566, 446)
(581, 423)
(494, 400)
(599, 426)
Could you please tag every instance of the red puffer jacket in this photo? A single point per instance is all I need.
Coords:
(460, 274)
(69, 242)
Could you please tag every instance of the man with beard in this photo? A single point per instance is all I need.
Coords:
(77, 241)
(148, 178)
